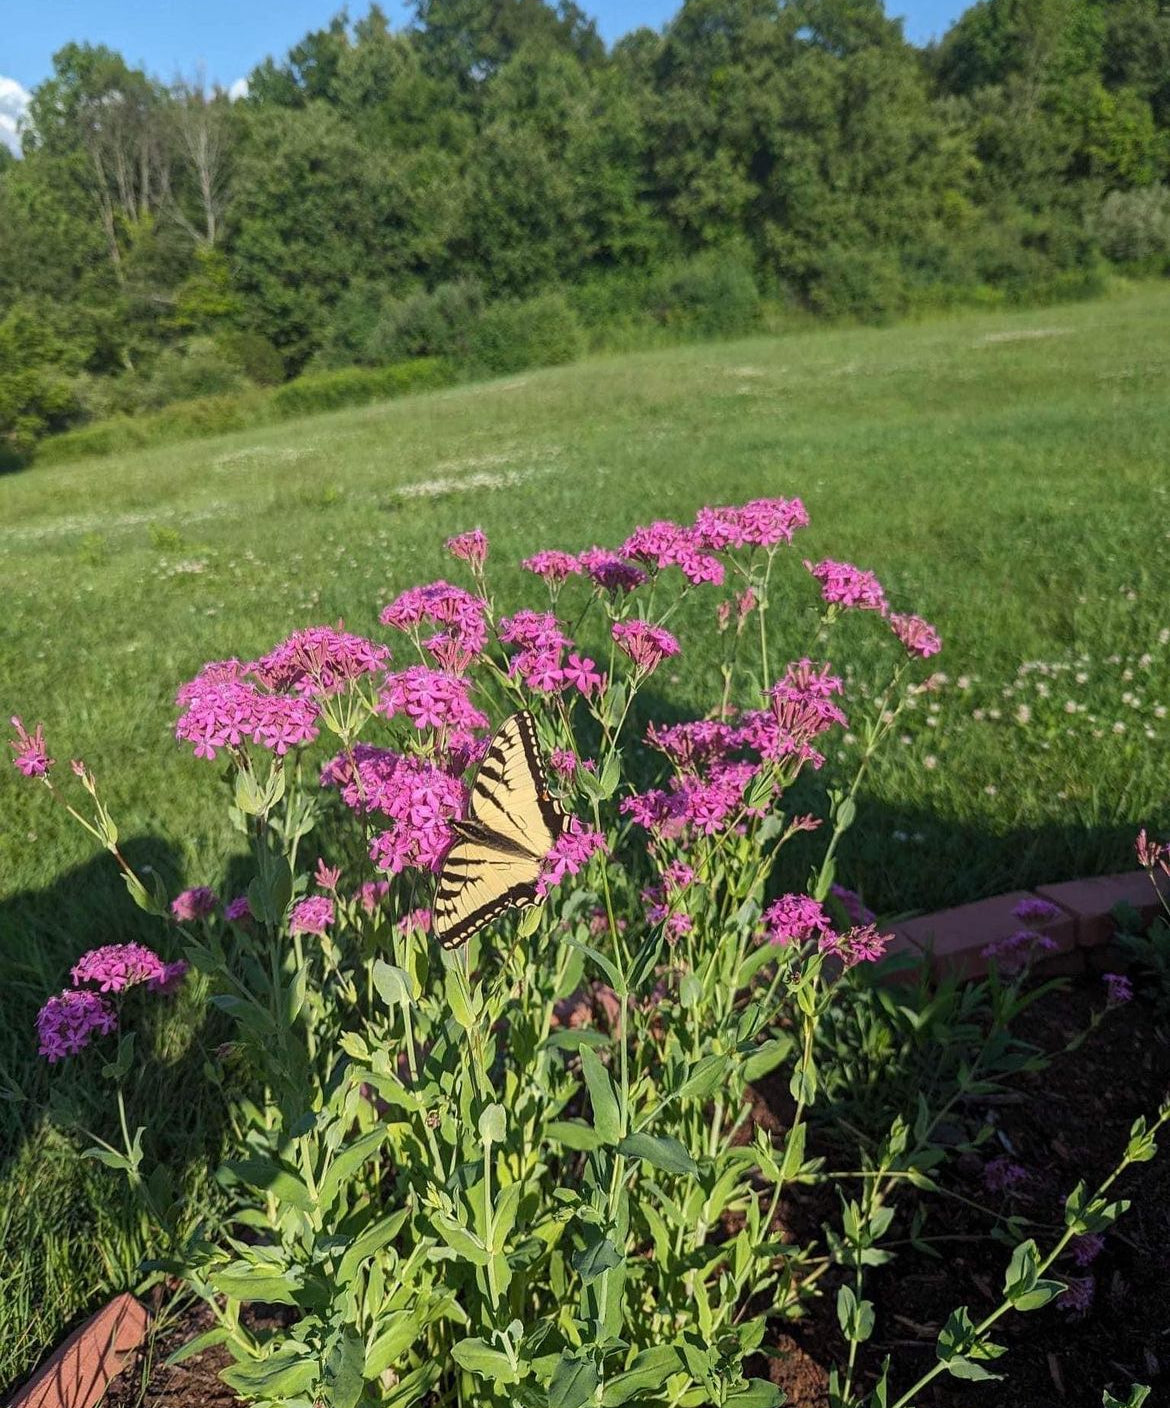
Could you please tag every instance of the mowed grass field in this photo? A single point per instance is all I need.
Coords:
(1007, 475)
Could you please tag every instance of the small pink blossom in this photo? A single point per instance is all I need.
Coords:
(319, 660)
(1020, 950)
(1033, 910)
(760, 523)
(325, 877)
(610, 572)
(794, 919)
(1087, 1248)
(664, 544)
(462, 616)
(842, 584)
(172, 975)
(311, 916)
(238, 910)
(68, 1022)
(415, 921)
(583, 674)
(1002, 1175)
(1077, 1296)
(570, 853)
(860, 945)
(471, 547)
(563, 761)
(31, 756)
(646, 645)
(1118, 988)
(918, 636)
(371, 893)
(1149, 853)
(116, 967)
(223, 709)
(553, 566)
(196, 903)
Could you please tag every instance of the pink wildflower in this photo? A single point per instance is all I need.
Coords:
(1034, 910)
(553, 566)
(433, 699)
(563, 762)
(918, 636)
(32, 757)
(472, 547)
(371, 893)
(694, 744)
(645, 644)
(415, 921)
(850, 902)
(760, 523)
(224, 710)
(583, 673)
(610, 572)
(571, 852)
(860, 945)
(794, 919)
(196, 903)
(1002, 1175)
(1087, 1248)
(1077, 1296)
(67, 1023)
(237, 910)
(842, 584)
(325, 877)
(1149, 853)
(665, 544)
(462, 615)
(1018, 951)
(172, 975)
(1118, 989)
(319, 660)
(116, 967)
(311, 916)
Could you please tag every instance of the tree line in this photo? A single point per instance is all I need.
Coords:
(493, 184)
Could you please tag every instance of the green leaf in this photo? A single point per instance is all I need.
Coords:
(344, 1371)
(257, 1283)
(270, 1177)
(615, 978)
(690, 991)
(1040, 1294)
(461, 1239)
(530, 921)
(610, 775)
(845, 814)
(281, 1375)
(607, 1119)
(646, 1374)
(117, 1068)
(803, 1084)
(574, 1134)
(574, 1382)
(661, 1150)
(706, 1075)
(758, 1394)
(478, 1357)
(963, 1368)
(459, 997)
(399, 1332)
(767, 1057)
(346, 1163)
(793, 1152)
(493, 1125)
(392, 984)
(1136, 1396)
(574, 1038)
(206, 1340)
(645, 961)
(372, 1240)
(597, 1255)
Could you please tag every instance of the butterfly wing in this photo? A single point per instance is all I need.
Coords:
(512, 824)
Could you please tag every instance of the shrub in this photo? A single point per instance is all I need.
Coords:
(711, 295)
(517, 1168)
(255, 356)
(858, 283)
(1133, 227)
(438, 324)
(355, 386)
(516, 334)
(197, 370)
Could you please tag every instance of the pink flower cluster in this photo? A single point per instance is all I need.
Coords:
(539, 662)
(470, 547)
(462, 617)
(311, 916)
(370, 894)
(436, 700)
(1020, 950)
(238, 910)
(646, 645)
(419, 798)
(794, 919)
(842, 584)
(918, 636)
(68, 1022)
(861, 944)
(223, 709)
(319, 660)
(664, 544)
(570, 853)
(610, 572)
(196, 903)
(31, 756)
(760, 523)
(691, 746)
(1118, 988)
(801, 709)
(553, 567)
(116, 967)
(1150, 854)
(664, 900)
(692, 801)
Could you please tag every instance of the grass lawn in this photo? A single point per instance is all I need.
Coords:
(1005, 474)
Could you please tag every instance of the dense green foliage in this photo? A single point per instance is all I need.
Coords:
(384, 194)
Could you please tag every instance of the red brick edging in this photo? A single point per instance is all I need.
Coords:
(956, 938)
(76, 1375)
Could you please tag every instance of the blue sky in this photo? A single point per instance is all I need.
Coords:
(227, 38)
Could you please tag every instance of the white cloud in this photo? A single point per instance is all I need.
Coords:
(14, 100)
(239, 89)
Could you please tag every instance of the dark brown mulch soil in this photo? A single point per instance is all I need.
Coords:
(1064, 1124)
